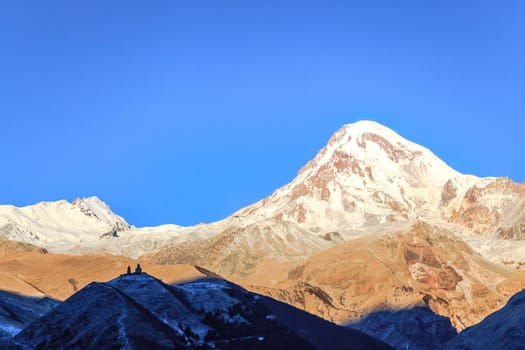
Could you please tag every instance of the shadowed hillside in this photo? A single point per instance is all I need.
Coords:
(139, 311)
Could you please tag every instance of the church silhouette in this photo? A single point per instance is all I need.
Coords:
(138, 270)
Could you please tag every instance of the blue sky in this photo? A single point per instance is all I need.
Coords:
(185, 111)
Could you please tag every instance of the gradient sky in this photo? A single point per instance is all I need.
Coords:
(185, 111)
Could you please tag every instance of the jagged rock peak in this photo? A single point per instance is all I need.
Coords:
(49, 224)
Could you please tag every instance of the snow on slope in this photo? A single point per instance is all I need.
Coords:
(88, 225)
(139, 241)
(366, 175)
(367, 179)
(55, 224)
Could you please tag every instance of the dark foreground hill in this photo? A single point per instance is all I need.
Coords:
(140, 312)
(417, 328)
(18, 311)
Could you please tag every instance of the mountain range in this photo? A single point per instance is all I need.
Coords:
(365, 180)
(373, 222)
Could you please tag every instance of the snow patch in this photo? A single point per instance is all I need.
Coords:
(9, 329)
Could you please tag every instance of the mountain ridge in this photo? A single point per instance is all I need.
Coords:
(366, 179)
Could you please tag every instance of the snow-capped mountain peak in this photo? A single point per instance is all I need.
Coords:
(59, 223)
(365, 180)
(366, 175)
(94, 207)
(366, 145)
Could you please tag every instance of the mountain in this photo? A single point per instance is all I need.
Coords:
(504, 329)
(365, 180)
(246, 253)
(393, 214)
(365, 176)
(87, 225)
(139, 311)
(52, 224)
(368, 178)
(423, 264)
(490, 215)
(99, 316)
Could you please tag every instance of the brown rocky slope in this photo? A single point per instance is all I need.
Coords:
(247, 253)
(25, 269)
(422, 264)
(425, 264)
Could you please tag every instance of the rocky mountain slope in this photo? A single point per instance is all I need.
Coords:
(402, 269)
(504, 329)
(32, 273)
(139, 311)
(366, 179)
(365, 176)
(9, 248)
(346, 237)
(247, 253)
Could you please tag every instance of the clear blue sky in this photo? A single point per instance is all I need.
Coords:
(185, 111)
